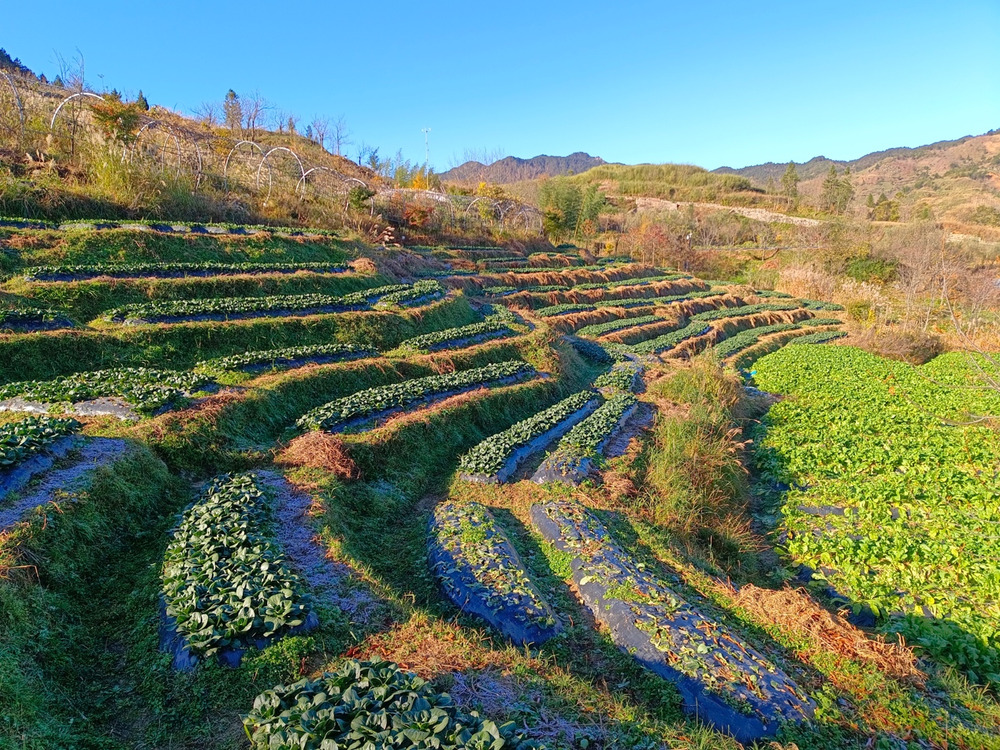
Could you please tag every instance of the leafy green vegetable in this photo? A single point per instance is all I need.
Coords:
(370, 706)
(489, 456)
(224, 581)
(382, 398)
(21, 439)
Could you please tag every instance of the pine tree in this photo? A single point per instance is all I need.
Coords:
(232, 111)
(790, 181)
(141, 101)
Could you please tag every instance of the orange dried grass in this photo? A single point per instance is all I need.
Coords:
(320, 450)
(795, 611)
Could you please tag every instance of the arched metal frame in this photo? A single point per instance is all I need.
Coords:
(67, 100)
(233, 150)
(158, 125)
(17, 101)
(270, 181)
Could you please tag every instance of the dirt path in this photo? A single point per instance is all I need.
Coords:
(331, 582)
(757, 214)
(94, 453)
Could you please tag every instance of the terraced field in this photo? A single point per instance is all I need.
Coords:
(281, 490)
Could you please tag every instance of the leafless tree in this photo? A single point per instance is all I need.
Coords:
(340, 135)
(254, 108)
(320, 129)
(208, 113)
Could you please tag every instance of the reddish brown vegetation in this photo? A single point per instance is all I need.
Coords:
(320, 450)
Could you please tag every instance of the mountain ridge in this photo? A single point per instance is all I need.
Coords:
(515, 169)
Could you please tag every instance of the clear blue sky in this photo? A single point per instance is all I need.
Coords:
(707, 83)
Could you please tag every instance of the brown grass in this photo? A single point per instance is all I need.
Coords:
(640, 333)
(320, 450)
(796, 612)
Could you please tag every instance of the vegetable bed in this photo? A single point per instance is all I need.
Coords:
(170, 270)
(370, 402)
(496, 458)
(225, 583)
(894, 490)
(144, 388)
(271, 358)
(225, 308)
(452, 337)
(21, 439)
(482, 574)
(723, 681)
(370, 706)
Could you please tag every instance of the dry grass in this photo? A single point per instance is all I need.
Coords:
(796, 612)
(319, 450)
(723, 329)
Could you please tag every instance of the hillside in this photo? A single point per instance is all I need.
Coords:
(954, 181)
(513, 169)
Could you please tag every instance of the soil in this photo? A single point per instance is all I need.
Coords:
(94, 453)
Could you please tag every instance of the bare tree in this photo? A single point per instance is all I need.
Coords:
(208, 113)
(320, 129)
(340, 135)
(254, 108)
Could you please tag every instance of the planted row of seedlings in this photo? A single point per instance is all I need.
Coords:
(613, 326)
(162, 226)
(481, 573)
(671, 339)
(371, 403)
(226, 587)
(745, 339)
(145, 389)
(30, 318)
(581, 449)
(569, 307)
(625, 375)
(743, 310)
(370, 706)
(22, 439)
(284, 357)
(743, 361)
(723, 681)
(495, 459)
(452, 338)
(227, 308)
(171, 270)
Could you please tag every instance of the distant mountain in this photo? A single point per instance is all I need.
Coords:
(512, 169)
(820, 165)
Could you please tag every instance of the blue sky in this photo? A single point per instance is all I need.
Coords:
(707, 83)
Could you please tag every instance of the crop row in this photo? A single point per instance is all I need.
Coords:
(287, 355)
(373, 401)
(127, 270)
(588, 437)
(225, 307)
(671, 339)
(144, 388)
(162, 226)
(487, 329)
(740, 341)
(814, 304)
(482, 573)
(820, 337)
(490, 456)
(419, 292)
(562, 309)
(621, 376)
(224, 581)
(32, 318)
(895, 490)
(369, 706)
(19, 440)
(600, 329)
(735, 312)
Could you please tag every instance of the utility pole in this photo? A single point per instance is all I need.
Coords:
(427, 148)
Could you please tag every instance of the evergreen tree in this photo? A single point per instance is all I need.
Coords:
(232, 111)
(790, 181)
(141, 101)
(58, 82)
